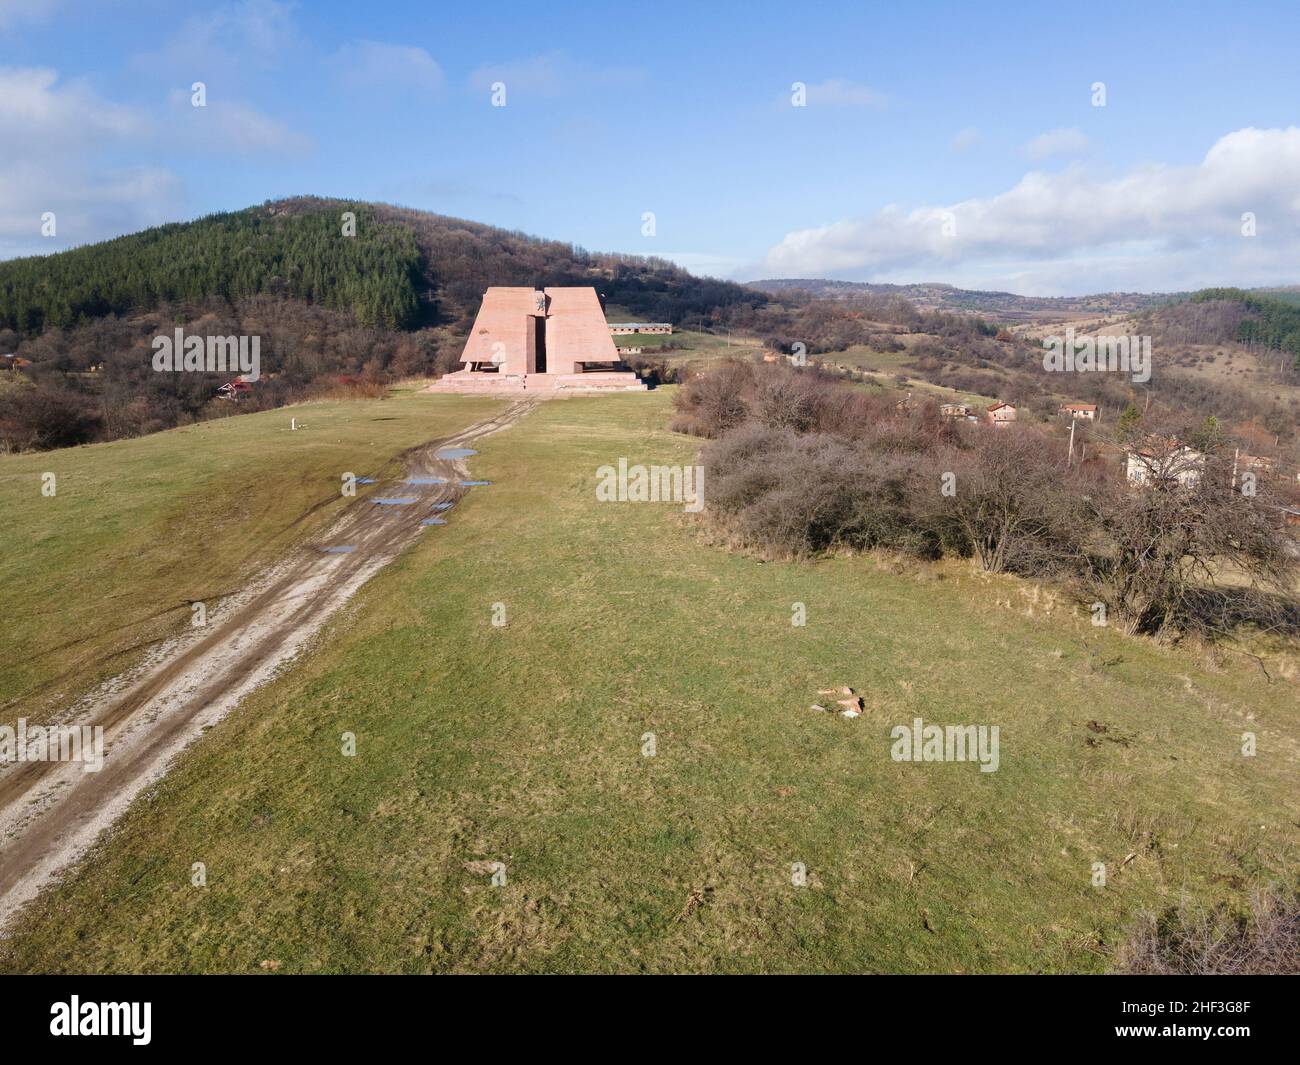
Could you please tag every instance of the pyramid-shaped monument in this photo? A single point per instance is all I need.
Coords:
(540, 339)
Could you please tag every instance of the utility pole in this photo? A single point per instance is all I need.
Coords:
(1070, 461)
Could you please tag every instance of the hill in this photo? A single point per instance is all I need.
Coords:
(1004, 306)
(398, 269)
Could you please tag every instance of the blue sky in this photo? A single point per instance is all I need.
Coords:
(939, 142)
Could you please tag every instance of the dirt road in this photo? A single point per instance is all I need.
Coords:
(51, 812)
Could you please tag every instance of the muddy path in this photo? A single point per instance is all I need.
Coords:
(52, 812)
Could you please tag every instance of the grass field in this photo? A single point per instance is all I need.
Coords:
(698, 351)
(522, 744)
(138, 529)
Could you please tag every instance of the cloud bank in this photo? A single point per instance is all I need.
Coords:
(1073, 231)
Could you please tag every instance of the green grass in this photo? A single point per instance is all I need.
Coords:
(522, 745)
(698, 351)
(137, 529)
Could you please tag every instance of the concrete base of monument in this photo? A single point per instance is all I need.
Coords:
(558, 384)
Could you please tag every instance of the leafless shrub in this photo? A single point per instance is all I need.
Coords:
(709, 404)
(1011, 507)
(1184, 941)
(39, 418)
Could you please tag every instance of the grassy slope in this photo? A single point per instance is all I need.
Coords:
(139, 528)
(522, 744)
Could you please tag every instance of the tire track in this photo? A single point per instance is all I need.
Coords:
(52, 812)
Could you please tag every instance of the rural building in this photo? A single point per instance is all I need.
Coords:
(955, 410)
(1176, 462)
(13, 362)
(1001, 415)
(553, 339)
(623, 328)
(1086, 411)
(1264, 464)
(234, 389)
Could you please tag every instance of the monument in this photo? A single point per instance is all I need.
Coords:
(547, 339)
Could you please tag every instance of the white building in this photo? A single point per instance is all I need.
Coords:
(1178, 462)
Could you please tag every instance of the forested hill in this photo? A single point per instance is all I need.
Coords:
(234, 255)
(401, 269)
(1270, 320)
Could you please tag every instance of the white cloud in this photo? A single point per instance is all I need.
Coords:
(233, 126)
(840, 92)
(39, 115)
(62, 130)
(1155, 227)
(966, 139)
(373, 64)
(1057, 142)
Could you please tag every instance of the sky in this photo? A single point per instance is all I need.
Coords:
(1043, 149)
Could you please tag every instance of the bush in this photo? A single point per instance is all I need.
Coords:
(39, 418)
(1218, 942)
(797, 494)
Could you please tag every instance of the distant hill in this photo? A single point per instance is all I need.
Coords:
(1006, 306)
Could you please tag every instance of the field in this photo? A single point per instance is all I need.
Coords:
(688, 348)
(523, 744)
(139, 529)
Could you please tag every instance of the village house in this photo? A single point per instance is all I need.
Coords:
(1001, 415)
(955, 410)
(235, 389)
(1262, 464)
(1086, 411)
(1175, 462)
(13, 362)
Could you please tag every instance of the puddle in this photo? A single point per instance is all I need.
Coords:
(443, 506)
(434, 521)
(472, 484)
(425, 480)
(338, 550)
(365, 480)
(396, 501)
(455, 453)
